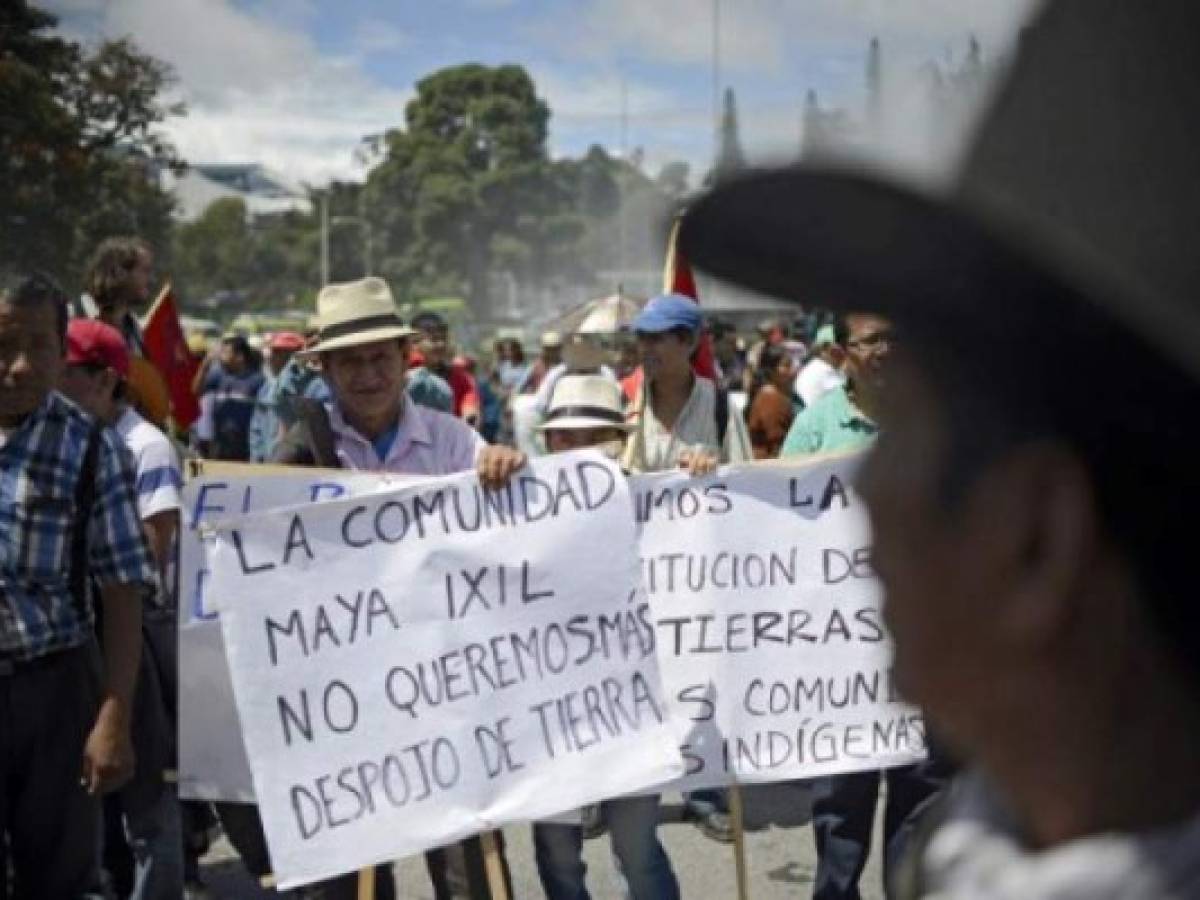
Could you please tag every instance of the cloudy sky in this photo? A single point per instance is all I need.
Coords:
(295, 84)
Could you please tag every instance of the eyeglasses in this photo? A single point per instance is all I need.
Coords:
(876, 340)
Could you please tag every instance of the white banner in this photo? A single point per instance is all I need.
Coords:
(422, 664)
(746, 512)
(212, 757)
(770, 634)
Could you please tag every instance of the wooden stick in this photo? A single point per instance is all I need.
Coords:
(493, 865)
(366, 883)
(739, 840)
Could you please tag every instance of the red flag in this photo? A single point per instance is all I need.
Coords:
(678, 279)
(166, 347)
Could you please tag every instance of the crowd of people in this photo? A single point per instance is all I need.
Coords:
(1027, 514)
(360, 389)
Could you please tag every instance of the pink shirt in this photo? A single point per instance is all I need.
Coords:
(427, 443)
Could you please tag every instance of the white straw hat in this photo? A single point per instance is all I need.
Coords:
(585, 401)
(357, 312)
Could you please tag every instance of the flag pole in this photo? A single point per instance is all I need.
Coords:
(493, 866)
(366, 883)
(158, 301)
(738, 822)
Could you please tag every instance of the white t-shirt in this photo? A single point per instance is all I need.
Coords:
(158, 472)
(816, 378)
(653, 447)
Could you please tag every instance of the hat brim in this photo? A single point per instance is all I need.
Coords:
(358, 338)
(852, 241)
(572, 423)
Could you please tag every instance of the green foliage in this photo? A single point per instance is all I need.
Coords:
(465, 194)
(462, 199)
(79, 147)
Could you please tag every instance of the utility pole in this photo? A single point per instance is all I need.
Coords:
(325, 238)
(621, 235)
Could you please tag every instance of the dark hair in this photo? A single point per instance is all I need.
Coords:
(428, 321)
(1136, 435)
(718, 328)
(768, 361)
(841, 329)
(518, 352)
(110, 271)
(240, 345)
(30, 289)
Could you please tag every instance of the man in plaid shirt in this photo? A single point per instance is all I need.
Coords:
(64, 719)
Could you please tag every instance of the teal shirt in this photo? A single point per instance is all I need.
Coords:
(830, 425)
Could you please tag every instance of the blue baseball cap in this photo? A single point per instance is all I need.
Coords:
(667, 312)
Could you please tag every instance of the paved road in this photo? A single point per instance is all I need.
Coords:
(780, 858)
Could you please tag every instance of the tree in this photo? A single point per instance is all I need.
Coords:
(80, 152)
(730, 158)
(874, 86)
(469, 162)
(213, 253)
(812, 136)
(673, 179)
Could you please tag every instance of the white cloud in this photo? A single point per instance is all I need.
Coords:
(771, 52)
(670, 31)
(378, 36)
(759, 35)
(595, 96)
(257, 90)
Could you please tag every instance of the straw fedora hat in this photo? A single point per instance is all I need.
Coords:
(1084, 171)
(585, 401)
(357, 312)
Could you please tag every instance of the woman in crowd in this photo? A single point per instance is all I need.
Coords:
(770, 406)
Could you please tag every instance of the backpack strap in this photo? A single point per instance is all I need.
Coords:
(85, 500)
(313, 418)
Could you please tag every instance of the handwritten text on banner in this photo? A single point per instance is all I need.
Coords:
(418, 665)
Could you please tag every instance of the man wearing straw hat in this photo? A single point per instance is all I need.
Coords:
(369, 424)
(1029, 526)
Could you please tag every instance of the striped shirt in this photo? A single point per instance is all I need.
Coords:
(158, 482)
(40, 465)
(158, 474)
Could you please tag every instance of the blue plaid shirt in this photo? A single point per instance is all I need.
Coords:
(39, 470)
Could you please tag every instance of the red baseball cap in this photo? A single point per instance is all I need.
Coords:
(286, 340)
(90, 342)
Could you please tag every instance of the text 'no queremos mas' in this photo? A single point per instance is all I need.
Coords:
(418, 665)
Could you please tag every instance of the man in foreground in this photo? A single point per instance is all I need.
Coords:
(1027, 524)
(68, 517)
